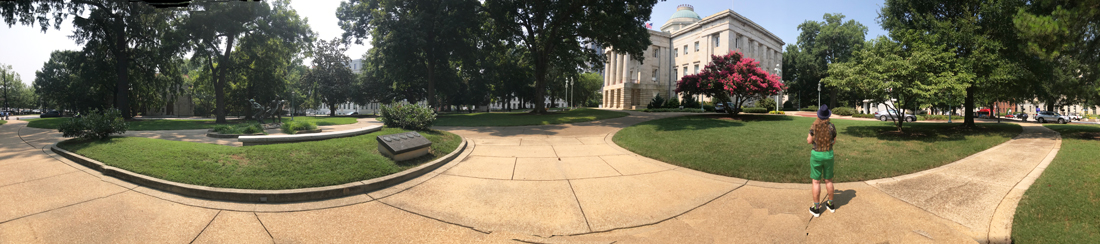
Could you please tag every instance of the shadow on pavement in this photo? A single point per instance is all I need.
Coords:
(841, 198)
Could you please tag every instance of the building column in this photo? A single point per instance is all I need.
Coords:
(626, 69)
(607, 69)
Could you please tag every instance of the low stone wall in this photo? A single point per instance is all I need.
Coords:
(272, 139)
(263, 196)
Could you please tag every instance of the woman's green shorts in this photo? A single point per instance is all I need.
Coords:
(821, 165)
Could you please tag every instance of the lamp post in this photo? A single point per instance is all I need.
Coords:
(780, 73)
(292, 105)
(818, 93)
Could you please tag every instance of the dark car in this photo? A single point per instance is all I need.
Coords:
(50, 114)
(721, 107)
(1021, 116)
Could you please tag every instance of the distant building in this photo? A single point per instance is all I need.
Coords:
(684, 46)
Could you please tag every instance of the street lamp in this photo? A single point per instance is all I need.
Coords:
(818, 93)
(780, 73)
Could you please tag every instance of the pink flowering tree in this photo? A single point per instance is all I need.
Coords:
(731, 79)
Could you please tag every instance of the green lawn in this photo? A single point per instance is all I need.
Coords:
(276, 166)
(774, 149)
(3, 122)
(171, 124)
(1063, 205)
(523, 118)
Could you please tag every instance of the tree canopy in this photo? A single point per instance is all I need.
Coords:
(731, 75)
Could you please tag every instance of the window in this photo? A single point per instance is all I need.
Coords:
(696, 69)
(716, 40)
(656, 50)
(654, 75)
(685, 49)
(696, 46)
(674, 73)
(685, 70)
(676, 51)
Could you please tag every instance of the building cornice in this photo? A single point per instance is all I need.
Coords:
(735, 15)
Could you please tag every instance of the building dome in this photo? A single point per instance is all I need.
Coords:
(685, 15)
(685, 11)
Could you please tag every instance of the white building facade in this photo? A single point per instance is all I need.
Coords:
(684, 46)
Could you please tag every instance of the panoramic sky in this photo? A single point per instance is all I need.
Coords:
(26, 48)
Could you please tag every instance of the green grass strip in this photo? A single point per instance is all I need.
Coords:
(1063, 205)
(523, 118)
(175, 124)
(774, 149)
(269, 167)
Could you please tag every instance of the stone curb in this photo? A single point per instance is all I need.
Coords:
(210, 133)
(260, 140)
(263, 196)
(1000, 227)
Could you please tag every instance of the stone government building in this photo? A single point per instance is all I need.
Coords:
(684, 46)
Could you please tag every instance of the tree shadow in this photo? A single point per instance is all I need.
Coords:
(924, 132)
(709, 121)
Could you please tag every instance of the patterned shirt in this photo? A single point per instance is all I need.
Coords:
(832, 139)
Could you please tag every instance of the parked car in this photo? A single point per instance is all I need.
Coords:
(1074, 116)
(1045, 116)
(893, 114)
(50, 114)
(1021, 116)
(352, 113)
(721, 107)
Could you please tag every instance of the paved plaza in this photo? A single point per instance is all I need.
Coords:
(537, 184)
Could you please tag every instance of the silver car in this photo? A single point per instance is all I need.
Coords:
(893, 114)
(1045, 116)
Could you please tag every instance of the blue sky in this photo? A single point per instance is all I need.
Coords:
(27, 48)
(781, 17)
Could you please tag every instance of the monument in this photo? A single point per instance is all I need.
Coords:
(403, 146)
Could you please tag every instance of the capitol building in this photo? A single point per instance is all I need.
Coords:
(684, 46)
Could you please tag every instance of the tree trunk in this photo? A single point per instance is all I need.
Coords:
(968, 107)
(219, 83)
(431, 85)
(332, 110)
(540, 83)
(122, 85)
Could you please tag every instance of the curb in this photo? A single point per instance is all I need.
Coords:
(273, 139)
(1000, 226)
(263, 196)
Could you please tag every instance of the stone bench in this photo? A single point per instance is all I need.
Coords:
(272, 139)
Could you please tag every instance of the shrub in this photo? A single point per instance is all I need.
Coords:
(810, 109)
(754, 110)
(868, 116)
(292, 127)
(226, 129)
(656, 102)
(766, 103)
(937, 117)
(407, 116)
(708, 108)
(673, 102)
(689, 102)
(252, 129)
(95, 125)
(776, 112)
(661, 110)
(844, 111)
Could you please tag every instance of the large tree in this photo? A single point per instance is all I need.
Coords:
(122, 30)
(330, 74)
(216, 31)
(731, 79)
(900, 77)
(970, 28)
(819, 44)
(1064, 35)
(552, 30)
(414, 40)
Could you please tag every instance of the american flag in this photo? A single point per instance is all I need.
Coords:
(649, 25)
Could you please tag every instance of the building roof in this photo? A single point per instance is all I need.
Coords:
(685, 14)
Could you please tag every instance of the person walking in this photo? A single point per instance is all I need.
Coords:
(822, 136)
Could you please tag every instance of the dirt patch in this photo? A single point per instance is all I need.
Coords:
(241, 160)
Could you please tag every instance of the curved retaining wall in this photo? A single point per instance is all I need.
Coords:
(270, 196)
(260, 140)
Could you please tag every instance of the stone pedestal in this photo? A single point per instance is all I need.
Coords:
(403, 146)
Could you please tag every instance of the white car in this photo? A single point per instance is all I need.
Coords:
(1074, 116)
(1045, 116)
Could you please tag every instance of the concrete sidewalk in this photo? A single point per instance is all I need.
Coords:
(550, 184)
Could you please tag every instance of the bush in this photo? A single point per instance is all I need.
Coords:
(708, 108)
(844, 111)
(661, 110)
(407, 116)
(767, 103)
(776, 112)
(253, 129)
(810, 109)
(673, 102)
(689, 102)
(95, 125)
(292, 127)
(867, 116)
(656, 102)
(754, 110)
(937, 117)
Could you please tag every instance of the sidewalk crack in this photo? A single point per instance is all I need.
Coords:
(207, 226)
(585, 216)
(265, 227)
